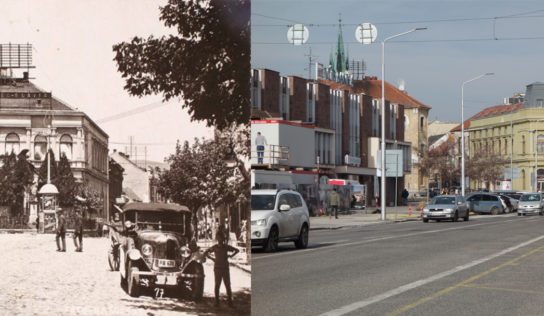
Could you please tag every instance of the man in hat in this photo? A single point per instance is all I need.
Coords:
(78, 232)
(61, 230)
(221, 267)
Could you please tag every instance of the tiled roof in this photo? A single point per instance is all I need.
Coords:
(490, 111)
(373, 87)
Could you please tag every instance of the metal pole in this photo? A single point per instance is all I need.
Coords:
(383, 195)
(463, 130)
(48, 160)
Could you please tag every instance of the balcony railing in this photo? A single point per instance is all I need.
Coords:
(273, 156)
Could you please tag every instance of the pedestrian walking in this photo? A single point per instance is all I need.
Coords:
(405, 195)
(333, 202)
(221, 266)
(78, 232)
(61, 231)
(260, 142)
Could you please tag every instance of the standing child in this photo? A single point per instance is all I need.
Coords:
(221, 267)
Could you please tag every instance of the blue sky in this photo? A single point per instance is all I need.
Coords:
(464, 39)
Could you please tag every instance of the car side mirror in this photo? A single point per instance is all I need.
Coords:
(128, 224)
(285, 207)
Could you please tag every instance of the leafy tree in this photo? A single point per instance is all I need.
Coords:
(199, 175)
(439, 162)
(16, 176)
(65, 182)
(206, 63)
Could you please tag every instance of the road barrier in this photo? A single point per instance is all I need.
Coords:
(410, 210)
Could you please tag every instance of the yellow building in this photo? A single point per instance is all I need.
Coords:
(516, 133)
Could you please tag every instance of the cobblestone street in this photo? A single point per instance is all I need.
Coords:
(37, 280)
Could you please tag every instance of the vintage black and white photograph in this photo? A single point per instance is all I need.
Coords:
(124, 157)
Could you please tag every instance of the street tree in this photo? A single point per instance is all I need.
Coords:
(16, 176)
(65, 182)
(440, 164)
(205, 62)
(485, 165)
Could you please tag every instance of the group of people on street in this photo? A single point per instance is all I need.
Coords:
(61, 231)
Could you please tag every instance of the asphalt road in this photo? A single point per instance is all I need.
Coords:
(491, 265)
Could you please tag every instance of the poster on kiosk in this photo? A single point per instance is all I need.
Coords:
(48, 214)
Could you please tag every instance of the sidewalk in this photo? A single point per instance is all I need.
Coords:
(365, 217)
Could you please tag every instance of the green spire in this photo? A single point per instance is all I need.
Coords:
(340, 60)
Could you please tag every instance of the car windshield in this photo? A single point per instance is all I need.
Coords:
(262, 202)
(443, 200)
(154, 220)
(530, 197)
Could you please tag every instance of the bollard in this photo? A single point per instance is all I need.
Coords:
(410, 210)
(421, 211)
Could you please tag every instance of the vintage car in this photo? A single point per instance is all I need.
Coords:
(152, 246)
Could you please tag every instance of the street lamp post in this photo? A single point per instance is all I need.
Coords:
(383, 192)
(463, 129)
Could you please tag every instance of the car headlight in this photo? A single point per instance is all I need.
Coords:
(147, 250)
(185, 252)
(448, 210)
(259, 222)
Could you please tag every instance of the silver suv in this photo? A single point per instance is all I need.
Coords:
(278, 216)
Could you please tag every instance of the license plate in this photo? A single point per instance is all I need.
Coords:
(166, 279)
(163, 263)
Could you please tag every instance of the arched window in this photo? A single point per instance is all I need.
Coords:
(40, 147)
(66, 146)
(12, 143)
(523, 144)
(523, 179)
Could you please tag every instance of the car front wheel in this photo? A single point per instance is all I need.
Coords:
(302, 241)
(271, 244)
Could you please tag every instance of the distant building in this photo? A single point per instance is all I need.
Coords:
(138, 184)
(516, 133)
(31, 117)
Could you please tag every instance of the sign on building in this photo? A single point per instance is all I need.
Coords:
(511, 173)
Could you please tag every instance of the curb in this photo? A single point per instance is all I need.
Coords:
(240, 267)
(340, 226)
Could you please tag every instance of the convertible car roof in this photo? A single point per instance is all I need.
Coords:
(159, 207)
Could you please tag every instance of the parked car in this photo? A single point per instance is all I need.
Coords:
(153, 248)
(485, 203)
(531, 203)
(506, 203)
(278, 216)
(446, 207)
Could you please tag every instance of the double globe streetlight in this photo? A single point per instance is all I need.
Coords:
(463, 129)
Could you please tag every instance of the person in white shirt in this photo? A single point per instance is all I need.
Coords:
(260, 141)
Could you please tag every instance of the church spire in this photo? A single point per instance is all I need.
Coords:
(338, 61)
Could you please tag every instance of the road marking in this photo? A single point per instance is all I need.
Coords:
(373, 240)
(475, 286)
(375, 299)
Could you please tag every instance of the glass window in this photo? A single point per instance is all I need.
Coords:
(12, 143)
(66, 146)
(262, 202)
(40, 147)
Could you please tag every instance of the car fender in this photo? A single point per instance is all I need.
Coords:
(122, 264)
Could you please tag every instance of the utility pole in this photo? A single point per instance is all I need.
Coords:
(311, 60)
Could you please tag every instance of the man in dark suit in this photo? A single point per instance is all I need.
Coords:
(78, 232)
(61, 230)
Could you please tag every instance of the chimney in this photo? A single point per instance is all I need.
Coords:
(25, 75)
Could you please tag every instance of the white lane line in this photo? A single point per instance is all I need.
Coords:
(371, 240)
(358, 305)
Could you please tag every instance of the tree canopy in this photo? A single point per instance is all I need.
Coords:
(206, 64)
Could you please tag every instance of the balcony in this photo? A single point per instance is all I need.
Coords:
(272, 157)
